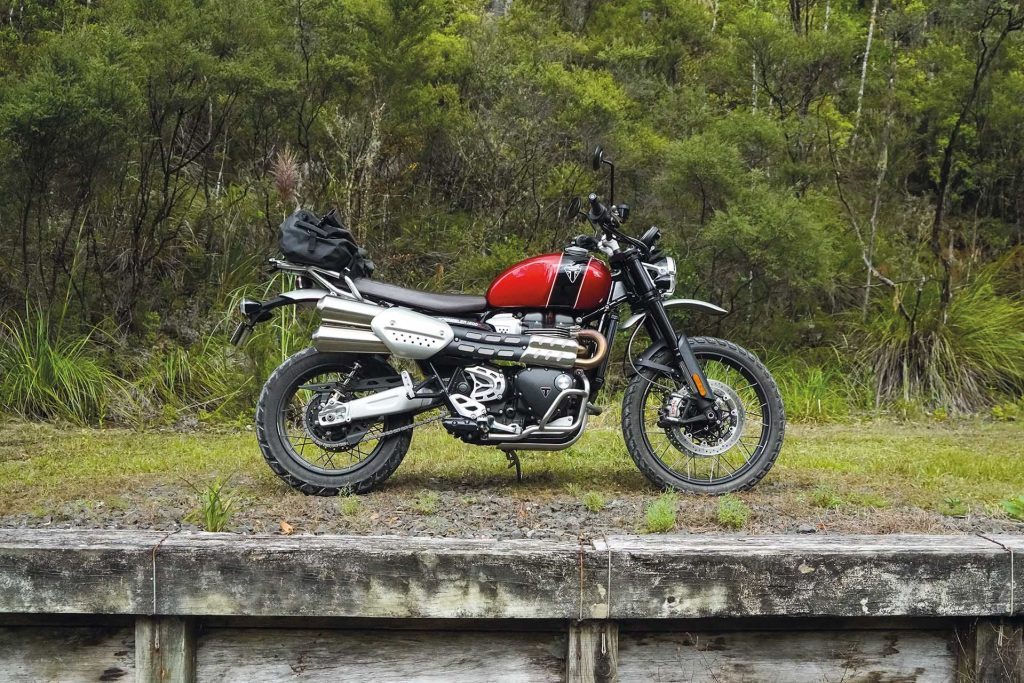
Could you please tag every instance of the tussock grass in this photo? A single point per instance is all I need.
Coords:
(961, 362)
(50, 375)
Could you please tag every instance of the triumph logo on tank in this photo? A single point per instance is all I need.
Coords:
(572, 271)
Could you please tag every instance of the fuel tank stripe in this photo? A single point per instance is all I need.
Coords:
(583, 278)
(565, 290)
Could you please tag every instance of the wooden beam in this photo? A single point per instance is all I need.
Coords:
(647, 577)
(266, 655)
(78, 572)
(165, 650)
(358, 576)
(659, 577)
(990, 651)
(593, 652)
(1014, 547)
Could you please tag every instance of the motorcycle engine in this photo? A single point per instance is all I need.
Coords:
(494, 399)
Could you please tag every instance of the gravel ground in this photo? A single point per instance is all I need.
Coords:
(488, 512)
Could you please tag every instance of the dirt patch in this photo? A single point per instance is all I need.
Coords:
(511, 511)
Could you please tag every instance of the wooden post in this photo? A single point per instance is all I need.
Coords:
(165, 650)
(593, 652)
(990, 651)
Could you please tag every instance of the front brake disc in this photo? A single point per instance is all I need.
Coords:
(727, 402)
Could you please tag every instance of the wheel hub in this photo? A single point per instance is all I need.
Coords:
(335, 439)
(711, 438)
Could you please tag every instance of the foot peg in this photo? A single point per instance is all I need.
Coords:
(594, 410)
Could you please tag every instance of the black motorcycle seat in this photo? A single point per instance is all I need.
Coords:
(451, 304)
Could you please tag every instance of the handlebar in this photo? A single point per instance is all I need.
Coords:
(607, 221)
(598, 211)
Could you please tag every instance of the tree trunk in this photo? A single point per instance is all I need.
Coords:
(986, 56)
(864, 71)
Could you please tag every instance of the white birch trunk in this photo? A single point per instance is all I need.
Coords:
(864, 70)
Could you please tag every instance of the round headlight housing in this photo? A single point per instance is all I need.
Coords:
(663, 272)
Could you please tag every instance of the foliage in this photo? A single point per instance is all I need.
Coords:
(214, 511)
(660, 515)
(732, 512)
(349, 506)
(876, 215)
(594, 501)
(818, 392)
(962, 361)
(46, 373)
(1014, 507)
(426, 503)
(825, 497)
(1007, 411)
(953, 507)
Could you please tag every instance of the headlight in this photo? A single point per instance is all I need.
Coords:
(663, 272)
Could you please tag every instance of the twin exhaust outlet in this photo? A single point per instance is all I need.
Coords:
(358, 327)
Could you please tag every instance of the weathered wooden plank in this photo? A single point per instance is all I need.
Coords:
(52, 654)
(165, 650)
(593, 652)
(990, 651)
(265, 655)
(83, 572)
(666, 577)
(105, 572)
(1014, 546)
(367, 577)
(749, 657)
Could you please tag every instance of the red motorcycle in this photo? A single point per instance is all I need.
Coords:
(519, 368)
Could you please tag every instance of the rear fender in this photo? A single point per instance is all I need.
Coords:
(256, 312)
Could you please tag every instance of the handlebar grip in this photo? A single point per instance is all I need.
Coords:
(597, 209)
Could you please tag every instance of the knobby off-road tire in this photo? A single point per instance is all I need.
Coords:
(772, 415)
(282, 456)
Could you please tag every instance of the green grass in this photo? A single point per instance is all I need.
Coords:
(349, 506)
(426, 503)
(953, 507)
(594, 501)
(660, 515)
(47, 374)
(868, 466)
(214, 511)
(1014, 507)
(825, 497)
(732, 512)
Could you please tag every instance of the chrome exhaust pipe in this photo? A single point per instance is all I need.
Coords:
(330, 338)
(340, 312)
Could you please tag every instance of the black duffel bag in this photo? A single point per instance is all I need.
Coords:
(307, 239)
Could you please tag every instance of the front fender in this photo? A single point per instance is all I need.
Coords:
(678, 303)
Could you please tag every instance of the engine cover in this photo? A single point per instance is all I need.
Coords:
(539, 387)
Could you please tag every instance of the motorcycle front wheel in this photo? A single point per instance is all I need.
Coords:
(325, 461)
(697, 457)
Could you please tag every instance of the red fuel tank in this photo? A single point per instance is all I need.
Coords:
(568, 281)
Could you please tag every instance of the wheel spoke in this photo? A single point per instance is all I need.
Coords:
(299, 429)
(703, 453)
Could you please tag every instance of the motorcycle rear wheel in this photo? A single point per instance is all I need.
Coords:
(314, 460)
(687, 458)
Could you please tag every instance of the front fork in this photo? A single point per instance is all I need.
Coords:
(659, 326)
